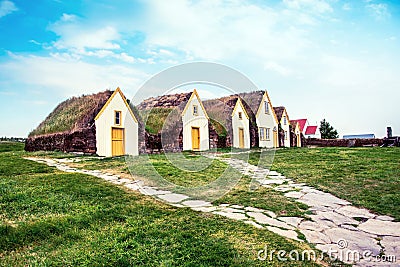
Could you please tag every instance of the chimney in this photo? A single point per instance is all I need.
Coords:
(389, 132)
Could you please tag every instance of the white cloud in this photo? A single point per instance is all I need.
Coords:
(319, 6)
(6, 8)
(284, 71)
(74, 36)
(346, 6)
(210, 30)
(78, 34)
(68, 75)
(379, 11)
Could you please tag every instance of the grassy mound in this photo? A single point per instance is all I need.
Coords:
(74, 113)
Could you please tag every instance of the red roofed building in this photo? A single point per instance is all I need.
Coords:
(303, 123)
(311, 132)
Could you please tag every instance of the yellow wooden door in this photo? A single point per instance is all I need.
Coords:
(241, 138)
(298, 141)
(118, 141)
(195, 138)
(275, 139)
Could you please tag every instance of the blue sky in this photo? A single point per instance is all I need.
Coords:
(332, 59)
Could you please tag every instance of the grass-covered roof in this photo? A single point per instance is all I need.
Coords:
(72, 114)
(162, 111)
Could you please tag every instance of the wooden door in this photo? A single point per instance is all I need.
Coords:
(275, 139)
(118, 141)
(241, 138)
(298, 141)
(195, 138)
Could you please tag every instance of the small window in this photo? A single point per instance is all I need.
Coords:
(195, 110)
(262, 133)
(240, 115)
(286, 135)
(266, 106)
(117, 118)
(267, 134)
(284, 120)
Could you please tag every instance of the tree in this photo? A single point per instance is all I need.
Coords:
(327, 131)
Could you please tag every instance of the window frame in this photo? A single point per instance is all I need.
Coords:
(261, 133)
(286, 135)
(195, 107)
(266, 107)
(119, 117)
(240, 115)
(267, 134)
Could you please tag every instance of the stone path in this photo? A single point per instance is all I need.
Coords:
(334, 224)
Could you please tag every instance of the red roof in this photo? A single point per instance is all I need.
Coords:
(311, 130)
(302, 123)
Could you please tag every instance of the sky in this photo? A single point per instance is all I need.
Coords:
(332, 59)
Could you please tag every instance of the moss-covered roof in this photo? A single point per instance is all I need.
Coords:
(279, 112)
(162, 111)
(72, 114)
(154, 118)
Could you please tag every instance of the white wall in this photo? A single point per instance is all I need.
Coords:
(200, 120)
(286, 128)
(266, 120)
(105, 123)
(237, 123)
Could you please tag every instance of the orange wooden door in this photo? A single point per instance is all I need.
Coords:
(241, 138)
(118, 141)
(275, 139)
(195, 138)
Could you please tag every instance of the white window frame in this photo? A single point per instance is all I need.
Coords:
(267, 134)
(266, 107)
(119, 117)
(286, 135)
(195, 110)
(261, 133)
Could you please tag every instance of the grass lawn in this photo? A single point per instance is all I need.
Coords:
(179, 173)
(367, 177)
(51, 218)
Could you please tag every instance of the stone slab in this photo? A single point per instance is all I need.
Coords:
(285, 233)
(354, 240)
(315, 237)
(354, 212)
(263, 219)
(294, 194)
(196, 203)
(232, 215)
(173, 198)
(379, 227)
(293, 221)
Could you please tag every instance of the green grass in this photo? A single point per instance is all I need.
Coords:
(50, 218)
(155, 118)
(263, 198)
(68, 114)
(367, 177)
(11, 146)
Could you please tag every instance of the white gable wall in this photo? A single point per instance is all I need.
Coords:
(106, 121)
(266, 120)
(286, 129)
(200, 120)
(240, 123)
